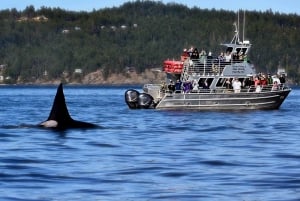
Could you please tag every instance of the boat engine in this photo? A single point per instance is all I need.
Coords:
(131, 98)
(145, 101)
(136, 100)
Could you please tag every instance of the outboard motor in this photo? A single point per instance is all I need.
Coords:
(145, 101)
(131, 98)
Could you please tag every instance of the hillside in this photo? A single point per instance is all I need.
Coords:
(50, 44)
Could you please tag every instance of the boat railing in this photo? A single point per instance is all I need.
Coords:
(207, 66)
(160, 92)
(157, 91)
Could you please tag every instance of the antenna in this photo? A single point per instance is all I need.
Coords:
(238, 27)
(244, 27)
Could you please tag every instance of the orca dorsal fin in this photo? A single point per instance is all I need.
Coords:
(59, 111)
(59, 116)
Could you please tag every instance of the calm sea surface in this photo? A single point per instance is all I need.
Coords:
(145, 154)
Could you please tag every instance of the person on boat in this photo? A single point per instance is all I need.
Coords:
(228, 84)
(241, 55)
(257, 84)
(275, 86)
(195, 54)
(209, 56)
(248, 83)
(178, 86)
(236, 85)
(195, 85)
(263, 81)
(171, 86)
(269, 79)
(282, 79)
(190, 51)
(202, 56)
(184, 55)
(163, 87)
(187, 86)
(228, 56)
(275, 78)
(235, 56)
(221, 57)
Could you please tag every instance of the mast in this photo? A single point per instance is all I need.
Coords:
(236, 37)
(244, 21)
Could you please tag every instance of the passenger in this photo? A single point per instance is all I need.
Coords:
(209, 56)
(171, 86)
(221, 57)
(178, 86)
(163, 87)
(195, 85)
(248, 82)
(282, 79)
(257, 84)
(236, 85)
(190, 51)
(235, 56)
(202, 56)
(195, 54)
(209, 59)
(184, 55)
(228, 84)
(187, 86)
(275, 86)
(269, 79)
(241, 55)
(263, 81)
(228, 56)
(275, 78)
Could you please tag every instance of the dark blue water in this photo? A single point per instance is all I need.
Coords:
(145, 154)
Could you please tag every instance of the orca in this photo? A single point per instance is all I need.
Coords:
(59, 117)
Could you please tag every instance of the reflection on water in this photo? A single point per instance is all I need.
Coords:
(145, 154)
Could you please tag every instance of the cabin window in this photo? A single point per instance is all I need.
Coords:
(205, 82)
(244, 50)
(220, 82)
(209, 81)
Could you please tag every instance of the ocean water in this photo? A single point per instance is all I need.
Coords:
(145, 154)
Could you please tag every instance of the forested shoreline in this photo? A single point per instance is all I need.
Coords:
(48, 44)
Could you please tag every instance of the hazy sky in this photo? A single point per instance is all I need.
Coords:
(282, 6)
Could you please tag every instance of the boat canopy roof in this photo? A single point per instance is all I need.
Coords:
(241, 48)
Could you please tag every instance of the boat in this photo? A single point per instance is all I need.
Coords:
(201, 82)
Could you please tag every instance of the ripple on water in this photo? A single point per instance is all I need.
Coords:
(146, 154)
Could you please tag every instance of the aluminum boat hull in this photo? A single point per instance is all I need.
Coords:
(223, 101)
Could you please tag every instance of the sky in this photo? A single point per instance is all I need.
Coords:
(281, 6)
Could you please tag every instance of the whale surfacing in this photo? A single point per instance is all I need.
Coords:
(59, 116)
